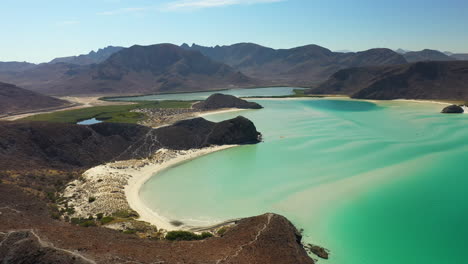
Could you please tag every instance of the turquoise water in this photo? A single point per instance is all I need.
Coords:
(374, 183)
(267, 91)
(91, 121)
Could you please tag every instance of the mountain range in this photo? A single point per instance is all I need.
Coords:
(420, 80)
(169, 68)
(135, 70)
(301, 66)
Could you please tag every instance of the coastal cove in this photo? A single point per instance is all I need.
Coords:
(351, 173)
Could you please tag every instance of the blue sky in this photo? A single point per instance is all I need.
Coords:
(39, 30)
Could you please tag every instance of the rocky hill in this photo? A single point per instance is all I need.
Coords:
(306, 65)
(460, 56)
(15, 66)
(63, 146)
(421, 80)
(16, 100)
(426, 55)
(219, 101)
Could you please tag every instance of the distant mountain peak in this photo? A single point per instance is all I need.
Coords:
(93, 57)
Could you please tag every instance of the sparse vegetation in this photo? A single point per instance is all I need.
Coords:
(222, 231)
(186, 236)
(129, 231)
(125, 214)
(106, 219)
(110, 113)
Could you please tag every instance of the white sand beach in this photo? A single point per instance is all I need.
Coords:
(132, 175)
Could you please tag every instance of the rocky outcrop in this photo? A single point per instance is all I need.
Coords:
(453, 109)
(199, 133)
(219, 101)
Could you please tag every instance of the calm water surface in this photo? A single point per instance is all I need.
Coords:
(375, 183)
(268, 91)
(91, 121)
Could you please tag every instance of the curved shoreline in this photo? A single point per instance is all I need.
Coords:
(141, 175)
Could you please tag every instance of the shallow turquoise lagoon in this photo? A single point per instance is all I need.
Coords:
(376, 183)
(253, 92)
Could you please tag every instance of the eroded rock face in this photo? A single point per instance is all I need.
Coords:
(453, 109)
(219, 101)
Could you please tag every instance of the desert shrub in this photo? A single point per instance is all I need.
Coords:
(87, 223)
(75, 221)
(99, 216)
(125, 214)
(70, 210)
(129, 231)
(186, 236)
(206, 235)
(55, 215)
(106, 220)
(222, 230)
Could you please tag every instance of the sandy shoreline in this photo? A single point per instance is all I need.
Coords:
(76, 103)
(141, 175)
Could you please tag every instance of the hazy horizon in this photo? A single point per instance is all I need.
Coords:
(43, 31)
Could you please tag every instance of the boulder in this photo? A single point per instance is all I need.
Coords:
(453, 109)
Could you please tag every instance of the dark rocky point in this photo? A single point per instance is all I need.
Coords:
(318, 251)
(219, 101)
(453, 109)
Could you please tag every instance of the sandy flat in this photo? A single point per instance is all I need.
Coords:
(77, 103)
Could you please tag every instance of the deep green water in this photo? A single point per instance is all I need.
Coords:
(266, 91)
(375, 183)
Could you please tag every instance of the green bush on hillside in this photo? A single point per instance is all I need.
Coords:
(186, 236)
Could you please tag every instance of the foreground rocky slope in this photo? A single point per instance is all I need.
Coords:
(29, 235)
(39, 158)
(421, 80)
(16, 100)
